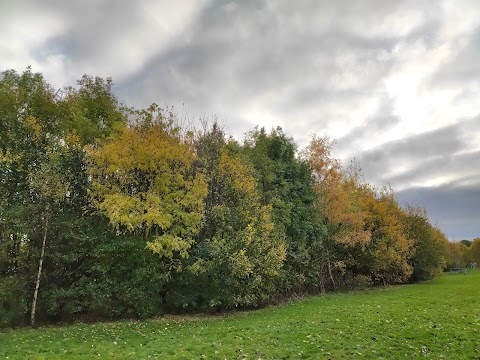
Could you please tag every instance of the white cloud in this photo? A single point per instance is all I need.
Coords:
(110, 38)
(22, 32)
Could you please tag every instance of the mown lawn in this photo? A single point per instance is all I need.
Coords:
(437, 320)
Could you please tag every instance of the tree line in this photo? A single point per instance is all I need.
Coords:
(108, 211)
(464, 253)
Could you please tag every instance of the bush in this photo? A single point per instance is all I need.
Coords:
(13, 306)
(354, 282)
(96, 272)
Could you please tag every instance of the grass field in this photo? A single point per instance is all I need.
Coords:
(438, 320)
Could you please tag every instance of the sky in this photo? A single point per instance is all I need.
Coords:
(396, 84)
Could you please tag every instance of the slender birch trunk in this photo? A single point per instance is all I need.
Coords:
(322, 285)
(330, 271)
(39, 274)
(322, 280)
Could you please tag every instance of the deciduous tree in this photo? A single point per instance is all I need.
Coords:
(143, 181)
(474, 251)
(239, 253)
(458, 255)
(339, 206)
(431, 245)
(390, 250)
(285, 182)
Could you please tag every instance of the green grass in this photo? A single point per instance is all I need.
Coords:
(437, 320)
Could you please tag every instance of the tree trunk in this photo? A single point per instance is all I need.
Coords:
(14, 251)
(329, 268)
(39, 274)
(322, 280)
(322, 285)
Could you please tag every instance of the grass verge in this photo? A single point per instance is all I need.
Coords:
(439, 319)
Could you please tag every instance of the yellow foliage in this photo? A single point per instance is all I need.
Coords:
(7, 157)
(237, 173)
(142, 180)
(72, 140)
(340, 199)
(167, 245)
(245, 244)
(391, 248)
(32, 123)
(241, 264)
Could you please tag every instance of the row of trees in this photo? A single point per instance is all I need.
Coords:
(465, 253)
(112, 212)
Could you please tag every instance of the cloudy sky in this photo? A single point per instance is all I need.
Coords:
(396, 83)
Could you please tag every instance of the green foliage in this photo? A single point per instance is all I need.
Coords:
(105, 275)
(28, 117)
(238, 255)
(41, 174)
(27, 104)
(431, 245)
(91, 111)
(13, 307)
(286, 184)
(31, 184)
(467, 243)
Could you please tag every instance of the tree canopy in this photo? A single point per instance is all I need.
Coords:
(110, 211)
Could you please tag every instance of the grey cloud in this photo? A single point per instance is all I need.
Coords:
(439, 142)
(108, 37)
(382, 120)
(462, 165)
(239, 53)
(455, 209)
(454, 206)
(284, 51)
(93, 26)
(463, 67)
(428, 155)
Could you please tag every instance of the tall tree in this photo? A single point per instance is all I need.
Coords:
(49, 188)
(285, 182)
(91, 111)
(239, 253)
(143, 181)
(431, 245)
(339, 207)
(474, 251)
(467, 243)
(30, 187)
(390, 250)
(458, 255)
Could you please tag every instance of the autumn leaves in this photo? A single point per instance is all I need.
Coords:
(199, 220)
